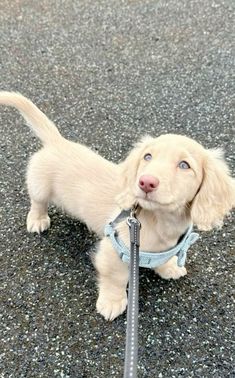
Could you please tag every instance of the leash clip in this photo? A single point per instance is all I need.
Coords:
(132, 217)
(134, 226)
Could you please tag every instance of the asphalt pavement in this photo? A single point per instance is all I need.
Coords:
(107, 72)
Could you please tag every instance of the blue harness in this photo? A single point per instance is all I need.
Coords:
(151, 259)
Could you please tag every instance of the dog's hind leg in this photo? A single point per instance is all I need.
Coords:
(39, 189)
(38, 219)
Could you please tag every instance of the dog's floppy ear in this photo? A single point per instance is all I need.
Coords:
(216, 196)
(127, 174)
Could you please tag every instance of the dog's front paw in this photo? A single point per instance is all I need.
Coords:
(173, 272)
(37, 224)
(111, 308)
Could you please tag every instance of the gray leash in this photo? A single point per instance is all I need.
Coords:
(131, 353)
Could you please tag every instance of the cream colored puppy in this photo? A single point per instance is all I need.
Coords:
(174, 180)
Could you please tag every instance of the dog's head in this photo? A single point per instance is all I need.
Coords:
(173, 172)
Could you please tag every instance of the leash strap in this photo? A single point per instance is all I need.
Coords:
(131, 352)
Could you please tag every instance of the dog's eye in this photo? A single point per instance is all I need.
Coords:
(183, 165)
(147, 157)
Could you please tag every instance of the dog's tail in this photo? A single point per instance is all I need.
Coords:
(44, 129)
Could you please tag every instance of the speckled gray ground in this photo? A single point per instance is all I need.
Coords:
(107, 72)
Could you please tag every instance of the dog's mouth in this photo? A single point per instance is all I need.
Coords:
(149, 201)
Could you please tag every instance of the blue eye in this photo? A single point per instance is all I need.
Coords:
(147, 157)
(183, 165)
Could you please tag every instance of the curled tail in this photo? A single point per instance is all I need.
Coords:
(44, 129)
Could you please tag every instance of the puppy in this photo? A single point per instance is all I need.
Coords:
(174, 180)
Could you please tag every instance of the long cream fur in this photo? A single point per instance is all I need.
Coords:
(94, 190)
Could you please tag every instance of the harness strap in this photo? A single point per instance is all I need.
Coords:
(152, 259)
